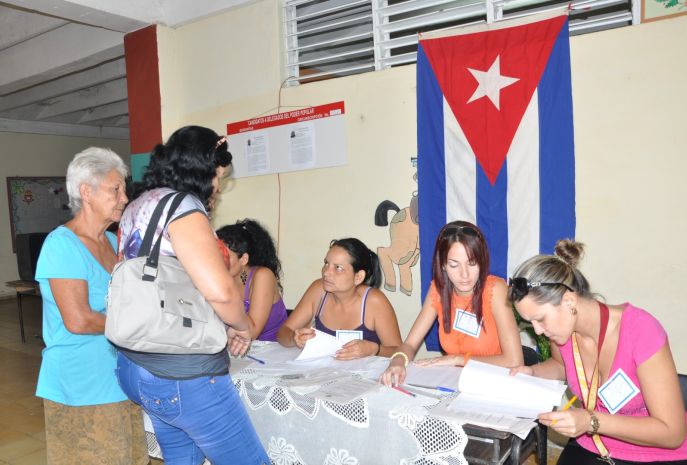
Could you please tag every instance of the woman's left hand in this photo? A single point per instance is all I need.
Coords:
(356, 349)
(239, 341)
(572, 422)
(446, 360)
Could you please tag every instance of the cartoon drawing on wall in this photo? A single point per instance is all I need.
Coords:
(403, 249)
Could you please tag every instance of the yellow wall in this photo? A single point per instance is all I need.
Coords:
(629, 102)
(36, 155)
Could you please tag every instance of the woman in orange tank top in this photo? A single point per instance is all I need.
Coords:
(475, 319)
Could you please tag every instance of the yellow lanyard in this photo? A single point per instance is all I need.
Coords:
(589, 390)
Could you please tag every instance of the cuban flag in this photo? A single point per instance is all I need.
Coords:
(495, 139)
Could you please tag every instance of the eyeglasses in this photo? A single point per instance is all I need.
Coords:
(521, 286)
(458, 229)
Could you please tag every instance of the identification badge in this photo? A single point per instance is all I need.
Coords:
(617, 391)
(347, 335)
(466, 323)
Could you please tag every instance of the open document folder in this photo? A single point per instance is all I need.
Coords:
(490, 389)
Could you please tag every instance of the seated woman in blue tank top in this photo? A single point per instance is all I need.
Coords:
(346, 298)
(254, 264)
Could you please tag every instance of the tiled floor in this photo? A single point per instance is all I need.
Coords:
(22, 437)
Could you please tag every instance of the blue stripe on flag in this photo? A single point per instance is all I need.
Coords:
(431, 169)
(557, 149)
(492, 218)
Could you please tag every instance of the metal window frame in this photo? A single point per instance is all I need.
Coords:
(395, 26)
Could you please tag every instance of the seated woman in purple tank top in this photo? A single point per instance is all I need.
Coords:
(254, 264)
(346, 298)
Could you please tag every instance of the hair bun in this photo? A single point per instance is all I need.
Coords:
(570, 251)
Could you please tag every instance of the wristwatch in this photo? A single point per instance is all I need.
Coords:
(594, 421)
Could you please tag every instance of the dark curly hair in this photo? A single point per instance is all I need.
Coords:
(249, 236)
(362, 258)
(187, 162)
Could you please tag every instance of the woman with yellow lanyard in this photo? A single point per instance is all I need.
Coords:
(615, 358)
(474, 316)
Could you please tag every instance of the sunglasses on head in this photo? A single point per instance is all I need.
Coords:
(521, 286)
(457, 229)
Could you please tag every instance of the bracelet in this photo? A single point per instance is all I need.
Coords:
(402, 354)
(466, 358)
(379, 347)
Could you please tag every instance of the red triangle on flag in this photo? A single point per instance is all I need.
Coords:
(479, 71)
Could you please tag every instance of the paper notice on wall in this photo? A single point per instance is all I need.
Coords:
(302, 145)
(302, 139)
(257, 149)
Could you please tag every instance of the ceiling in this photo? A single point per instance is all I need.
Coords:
(62, 69)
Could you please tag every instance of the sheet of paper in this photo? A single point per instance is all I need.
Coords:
(322, 345)
(302, 145)
(445, 376)
(495, 383)
(346, 390)
(314, 378)
(518, 426)
(476, 403)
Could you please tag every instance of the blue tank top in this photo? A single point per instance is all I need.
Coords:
(277, 312)
(368, 334)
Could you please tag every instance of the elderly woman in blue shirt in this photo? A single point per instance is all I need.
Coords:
(88, 419)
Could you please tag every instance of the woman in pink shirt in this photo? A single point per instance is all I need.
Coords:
(615, 358)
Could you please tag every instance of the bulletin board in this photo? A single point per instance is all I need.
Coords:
(37, 204)
(313, 137)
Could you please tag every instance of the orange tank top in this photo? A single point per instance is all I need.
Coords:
(458, 343)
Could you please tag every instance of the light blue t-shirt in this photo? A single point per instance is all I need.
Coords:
(77, 369)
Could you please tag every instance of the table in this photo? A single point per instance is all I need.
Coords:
(383, 427)
(23, 288)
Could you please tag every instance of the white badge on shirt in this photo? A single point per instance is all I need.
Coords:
(347, 335)
(466, 323)
(617, 391)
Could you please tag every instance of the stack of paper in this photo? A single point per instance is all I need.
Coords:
(489, 389)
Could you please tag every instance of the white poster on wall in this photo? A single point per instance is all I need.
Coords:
(313, 137)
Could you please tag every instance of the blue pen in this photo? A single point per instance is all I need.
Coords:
(256, 359)
(438, 388)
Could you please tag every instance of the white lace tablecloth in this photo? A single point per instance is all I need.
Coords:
(380, 428)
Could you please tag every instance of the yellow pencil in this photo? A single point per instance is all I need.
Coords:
(566, 407)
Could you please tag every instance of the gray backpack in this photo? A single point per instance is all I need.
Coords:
(152, 304)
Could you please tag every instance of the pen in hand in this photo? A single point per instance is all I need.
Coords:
(566, 407)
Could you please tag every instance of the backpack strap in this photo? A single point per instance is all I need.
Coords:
(150, 268)
(144, 249)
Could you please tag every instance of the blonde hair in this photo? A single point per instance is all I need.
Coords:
(558, 268)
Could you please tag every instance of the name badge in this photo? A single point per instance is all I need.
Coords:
(466, 323)
(347, 335)
(617, 391)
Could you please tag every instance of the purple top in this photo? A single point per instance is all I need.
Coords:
(640, 337)
(368, 334)
(277, 313)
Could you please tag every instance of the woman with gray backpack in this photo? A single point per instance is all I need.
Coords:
(194, 407)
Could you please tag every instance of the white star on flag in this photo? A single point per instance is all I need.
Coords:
(491, 82)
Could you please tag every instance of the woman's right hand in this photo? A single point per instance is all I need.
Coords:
(522, 369)
(301, 336)
(394, 375)
(238, 341)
